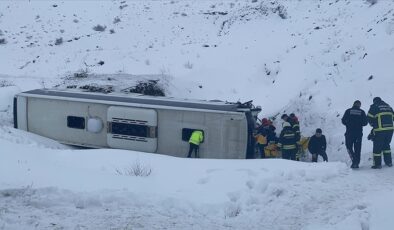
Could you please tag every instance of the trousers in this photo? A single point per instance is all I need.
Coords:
(381, 145)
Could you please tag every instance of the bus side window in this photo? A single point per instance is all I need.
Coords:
(186, 133)
(76, 122)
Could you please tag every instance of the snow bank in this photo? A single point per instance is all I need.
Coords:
(230, 192)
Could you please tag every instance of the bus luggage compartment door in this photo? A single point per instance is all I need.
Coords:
(132, 128)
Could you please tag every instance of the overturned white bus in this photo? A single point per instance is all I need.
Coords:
(138, 122)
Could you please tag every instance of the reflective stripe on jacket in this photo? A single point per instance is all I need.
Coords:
(288, 139)
(196, 138)
(380, 117)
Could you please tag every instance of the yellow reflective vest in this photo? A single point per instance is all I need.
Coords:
(197, 137)
(380, 117)
(262, 140)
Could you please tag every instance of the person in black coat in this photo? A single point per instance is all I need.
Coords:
(295, 124)
(317, 146)
(380, 117)
(288, 142)
(354, 119)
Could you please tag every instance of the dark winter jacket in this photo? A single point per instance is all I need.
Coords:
(317, 144)
(380, 116)
(354, 119)
(296, 128)
(268, 132)
(288, 139)
(295, 125)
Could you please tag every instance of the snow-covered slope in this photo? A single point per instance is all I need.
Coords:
(313, 58)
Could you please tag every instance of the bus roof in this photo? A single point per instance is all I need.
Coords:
(138, 98)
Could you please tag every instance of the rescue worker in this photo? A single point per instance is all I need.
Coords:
(265, 122)
(288, 142)
(286, 118)
(380, 117)
(194, 142)
(295, 124)
(261, 140)
(354, 119)
(317, 146)
(267, 129)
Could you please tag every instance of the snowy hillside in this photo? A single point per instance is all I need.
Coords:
(313, 58)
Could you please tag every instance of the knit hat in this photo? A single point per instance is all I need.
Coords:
(318, 130)
(377, 99)
(284, 116)
(357, 103)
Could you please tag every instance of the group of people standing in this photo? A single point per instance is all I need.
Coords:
(380, 117)
(289, 141)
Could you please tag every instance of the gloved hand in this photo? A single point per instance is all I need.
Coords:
(371, 137)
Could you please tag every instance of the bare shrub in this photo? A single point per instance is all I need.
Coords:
(99, 28)
(59, 41)
(232, 210)
(5, 83)
(82, 73)
(135, 169)
(150, 87)
(98, 89)
(281, 10)
(116, 20)
(123, 6)
(372, 2)
(188, 65)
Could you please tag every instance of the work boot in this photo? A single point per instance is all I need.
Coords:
(390, 165)
(354, 167)
(376, 167)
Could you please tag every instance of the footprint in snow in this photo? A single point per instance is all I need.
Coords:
(248, 171)
(250, 184)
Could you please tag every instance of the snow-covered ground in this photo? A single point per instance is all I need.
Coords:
(313, 58)
(47, 186)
